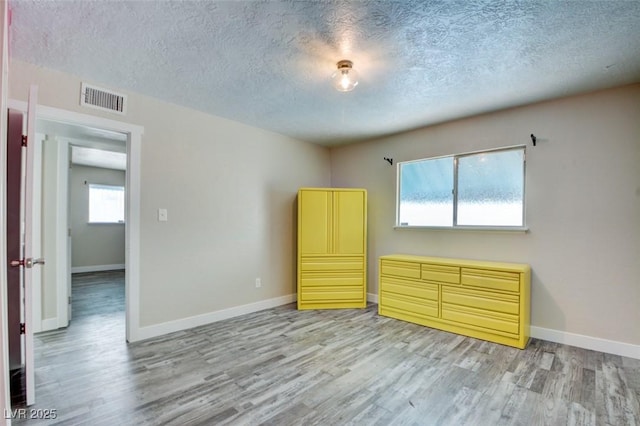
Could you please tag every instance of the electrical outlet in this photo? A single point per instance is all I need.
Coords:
(258, 283)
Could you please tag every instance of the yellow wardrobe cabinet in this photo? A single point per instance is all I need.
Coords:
(332, 248)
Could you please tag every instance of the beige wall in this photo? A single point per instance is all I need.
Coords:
(582, 205)
(229, 190)
(93, 244)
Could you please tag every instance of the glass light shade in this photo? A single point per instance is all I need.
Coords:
(345, 78)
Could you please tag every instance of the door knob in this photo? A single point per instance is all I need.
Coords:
(30, 262)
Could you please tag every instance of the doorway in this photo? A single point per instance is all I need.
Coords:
(133, 136)
(83, 205)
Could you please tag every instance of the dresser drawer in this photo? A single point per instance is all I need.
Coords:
(418, 289)
(331, 263)
(496, 302)
(400, 269)
(440, 273)
(490, 279)
(330, 294)
(329, 279)
(480, 318)
(408, 305)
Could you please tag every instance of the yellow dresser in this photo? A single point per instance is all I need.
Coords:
(332, 248)
(486, 300)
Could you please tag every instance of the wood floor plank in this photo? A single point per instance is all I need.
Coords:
(282, 366)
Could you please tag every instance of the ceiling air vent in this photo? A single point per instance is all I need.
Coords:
(106, 100)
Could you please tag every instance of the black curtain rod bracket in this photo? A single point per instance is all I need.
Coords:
(389, 160)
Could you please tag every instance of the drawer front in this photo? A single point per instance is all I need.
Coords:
(411, 305)
(441, 273)
(492, 280)
(331, 263)
(420, 290)
(329, 294)
(319, 279)
(506, 303)
(479, 318)
(400, 269)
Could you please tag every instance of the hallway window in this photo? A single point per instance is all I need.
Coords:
(106, 204)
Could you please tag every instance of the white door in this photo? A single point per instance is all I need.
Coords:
(28, 248)
(26, 261)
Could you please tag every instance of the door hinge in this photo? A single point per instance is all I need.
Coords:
(22, 328)
(24, 140)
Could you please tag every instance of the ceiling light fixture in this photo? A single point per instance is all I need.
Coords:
(345, 78)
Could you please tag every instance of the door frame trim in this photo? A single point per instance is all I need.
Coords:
(133, 176)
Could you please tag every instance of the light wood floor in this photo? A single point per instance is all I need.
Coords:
(282, 366)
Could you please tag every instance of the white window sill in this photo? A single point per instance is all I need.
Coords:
(105, 223)
(467, 228)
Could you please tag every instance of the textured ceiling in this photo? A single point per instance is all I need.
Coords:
(268, 63)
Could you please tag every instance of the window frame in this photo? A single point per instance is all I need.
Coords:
(121, 188)
(455, 158)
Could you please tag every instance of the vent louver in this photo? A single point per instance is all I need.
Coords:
(103, 99)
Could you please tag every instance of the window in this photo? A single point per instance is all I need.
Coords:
(106, 204)
(482, 189)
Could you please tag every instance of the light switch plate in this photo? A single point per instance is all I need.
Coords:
(162, 215)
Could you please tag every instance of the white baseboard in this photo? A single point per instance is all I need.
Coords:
(186, 323)
(97, 268)
(49, 324)
(371, 297)
(587, 342)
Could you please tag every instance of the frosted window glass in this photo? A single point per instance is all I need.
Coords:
(491, 188)
(426, 197)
